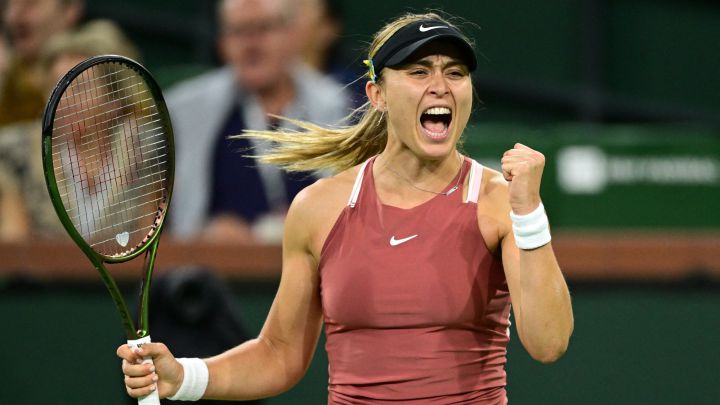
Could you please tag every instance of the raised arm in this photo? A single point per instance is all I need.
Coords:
(539, 294)
(261, 367)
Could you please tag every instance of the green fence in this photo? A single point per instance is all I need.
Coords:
(631, 345)
(603, 177)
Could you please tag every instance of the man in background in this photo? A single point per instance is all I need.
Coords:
(220, 194)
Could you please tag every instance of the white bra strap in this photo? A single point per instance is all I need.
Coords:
(358, 183)
(474, 183)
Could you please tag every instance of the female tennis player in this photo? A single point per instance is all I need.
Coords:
(410, 256)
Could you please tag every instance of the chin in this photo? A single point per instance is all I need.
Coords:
(437, 151)
(255, 82)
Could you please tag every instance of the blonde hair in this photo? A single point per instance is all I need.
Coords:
(314, 147)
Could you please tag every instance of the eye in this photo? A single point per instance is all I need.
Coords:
(456, 73)
(417, 72)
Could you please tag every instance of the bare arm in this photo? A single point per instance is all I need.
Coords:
(540, 299)
(261, 367)
(279, 357)
(539, 294)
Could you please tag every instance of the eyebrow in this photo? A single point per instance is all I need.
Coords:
(429, 63)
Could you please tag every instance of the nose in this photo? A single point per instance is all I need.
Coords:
(438, 86)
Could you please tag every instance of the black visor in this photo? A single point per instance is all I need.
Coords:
(399, 47)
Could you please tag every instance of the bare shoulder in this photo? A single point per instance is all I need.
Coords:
(495, 189)
(325, 194)
(315, 209)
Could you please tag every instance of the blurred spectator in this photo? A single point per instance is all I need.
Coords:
(4, 54)
(29, 24)
(220, 194)
(25, 207)
(13, 214)
(319, 29)
(94, 38)
(24, 203)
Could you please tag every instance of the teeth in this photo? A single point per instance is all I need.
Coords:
(437, 111)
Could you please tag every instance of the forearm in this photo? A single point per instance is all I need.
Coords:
(540, 297)
(545, 318)
(255, 369)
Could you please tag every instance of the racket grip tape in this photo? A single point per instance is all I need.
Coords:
(153, 398)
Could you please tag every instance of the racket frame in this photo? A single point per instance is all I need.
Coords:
(149, 246)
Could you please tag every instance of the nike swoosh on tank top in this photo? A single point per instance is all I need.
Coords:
(422, 319)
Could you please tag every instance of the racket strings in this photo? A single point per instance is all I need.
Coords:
(90, 102)
(115, 206)
(84, 184)
(102, 78)
(127, 221)
(80, 106)
(154, 146)
(111, 158)
(65, 117)
(79, 176)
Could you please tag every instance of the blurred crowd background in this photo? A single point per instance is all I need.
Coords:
(621, 96)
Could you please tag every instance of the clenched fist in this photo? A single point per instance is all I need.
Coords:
(522, 167)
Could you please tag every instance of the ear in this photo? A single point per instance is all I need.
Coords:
(376, 96)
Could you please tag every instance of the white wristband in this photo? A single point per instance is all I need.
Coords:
(195, 380)
(531, 230)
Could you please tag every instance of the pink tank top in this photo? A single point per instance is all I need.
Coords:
(416, 308)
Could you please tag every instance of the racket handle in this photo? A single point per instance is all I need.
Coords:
(153, 398)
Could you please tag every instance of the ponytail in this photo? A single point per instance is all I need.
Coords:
(314, 147)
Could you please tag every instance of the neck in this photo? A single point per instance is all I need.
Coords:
(412, 166)
(410, 172)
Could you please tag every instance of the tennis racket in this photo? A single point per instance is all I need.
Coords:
(108, 156)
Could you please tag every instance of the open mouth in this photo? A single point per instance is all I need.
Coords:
(436, 121)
